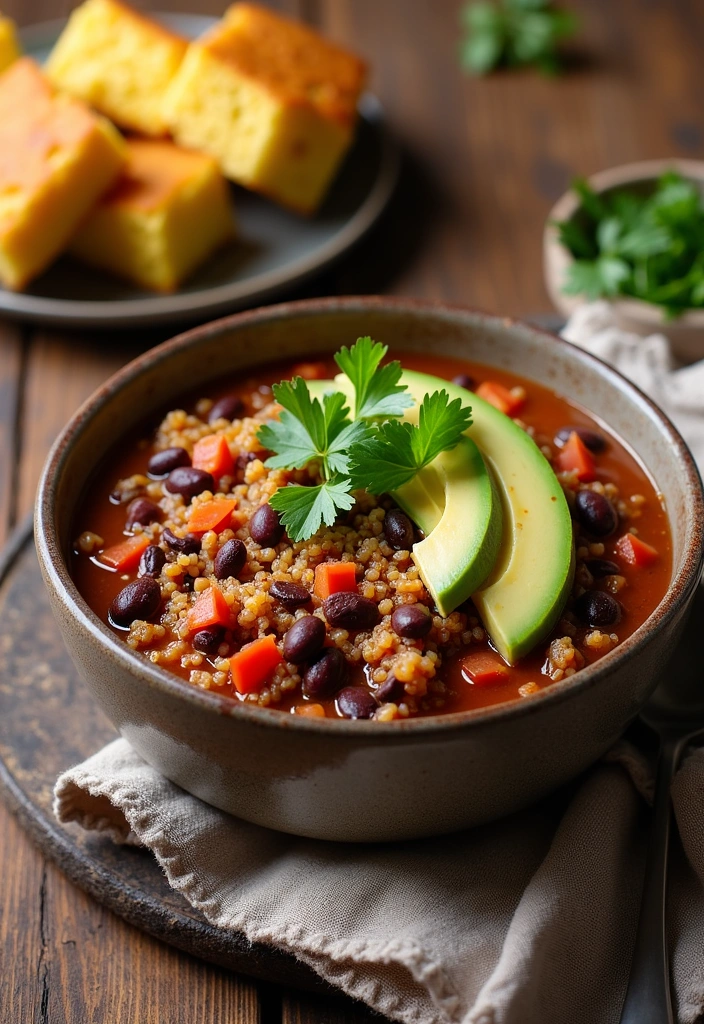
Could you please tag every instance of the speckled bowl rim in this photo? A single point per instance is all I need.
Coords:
(57, 575)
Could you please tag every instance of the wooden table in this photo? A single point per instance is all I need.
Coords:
(486, 158)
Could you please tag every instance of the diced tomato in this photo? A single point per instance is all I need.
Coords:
(210, 515)
(500, 397)
(212, 454)
(635, 551)
(575, 457)
(253, 665)
(210, 609)
(484, 668)
(125, 555)
(332, 577)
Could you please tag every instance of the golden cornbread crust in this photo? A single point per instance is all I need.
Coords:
(119, 61)
(170, 209)
(272, 101)
(298, 66)
(9, 46)
(56, 159)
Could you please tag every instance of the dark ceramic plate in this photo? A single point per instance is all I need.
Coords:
(275, 249)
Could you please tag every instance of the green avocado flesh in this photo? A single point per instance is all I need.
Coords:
(456, 504)
(531, 568)
(524, 596)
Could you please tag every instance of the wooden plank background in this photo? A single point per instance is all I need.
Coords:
(484, 161)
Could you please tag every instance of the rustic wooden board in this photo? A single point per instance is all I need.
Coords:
(48, 722)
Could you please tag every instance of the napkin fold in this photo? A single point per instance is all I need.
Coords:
(529, 920)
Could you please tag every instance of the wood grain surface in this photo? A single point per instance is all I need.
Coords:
(484, 161)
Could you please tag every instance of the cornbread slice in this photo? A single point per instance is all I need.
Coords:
(9, 46)
(119, 61)
(271, 100)
(56, 159)
(170, 209)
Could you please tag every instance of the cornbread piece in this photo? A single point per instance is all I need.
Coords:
(119, 61)
(167, 213)
(273, 101)
(56, 160)
(9, 47)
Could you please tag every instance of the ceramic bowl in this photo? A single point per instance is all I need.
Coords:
(359, 780)
(686, 333)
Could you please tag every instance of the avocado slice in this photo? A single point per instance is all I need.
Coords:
(524, 595)
(456, 504)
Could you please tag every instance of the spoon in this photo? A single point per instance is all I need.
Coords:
(675, 712)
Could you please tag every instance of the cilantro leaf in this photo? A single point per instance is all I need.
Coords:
(393, 454)
(304, 509)
(307, 431)
(377, 389)
(594, 278)
(512, 33)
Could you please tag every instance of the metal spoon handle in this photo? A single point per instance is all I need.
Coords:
(648, 999)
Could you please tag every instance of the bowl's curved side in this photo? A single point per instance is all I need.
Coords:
(364, 780)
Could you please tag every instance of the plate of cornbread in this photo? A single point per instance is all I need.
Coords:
(167, 167)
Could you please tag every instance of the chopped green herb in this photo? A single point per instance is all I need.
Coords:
(511, 33)
(377, 389)
(396, 451)
(649, 246)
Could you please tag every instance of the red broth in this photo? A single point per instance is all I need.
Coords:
(638, 590)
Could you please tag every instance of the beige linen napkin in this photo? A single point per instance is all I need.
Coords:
(530, 920)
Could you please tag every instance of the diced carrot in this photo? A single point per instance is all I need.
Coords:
(500, 397)
(210, 609)
(212, 454)
(484, 668)
(309, 710)
(211, 514)
(252, 666)
(125, 555)
(332, 577)
(635, 551)
(575, 457)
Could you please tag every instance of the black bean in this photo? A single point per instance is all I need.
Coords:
(411, 621)
(142, 511)
(208, 640)
(326, 675)
(356, 702)
(304, 640)
(600, 567)
(265, 527)
(230, 559)
(138, 600)
(596, 513)
(188, 545)
(229, 407)
(291, 595)
(594, 441)
(189, 481)
(463, 380)
(350, 611)
(152, 561)
(398, 529)
(392, 689)
(597, 608)
(165, 461)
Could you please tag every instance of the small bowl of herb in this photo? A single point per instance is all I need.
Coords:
(634, 235)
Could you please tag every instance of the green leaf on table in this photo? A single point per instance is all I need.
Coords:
(513, 33)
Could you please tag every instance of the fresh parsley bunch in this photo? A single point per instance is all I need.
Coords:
(648, 246)
(511, 33)
(368, 450)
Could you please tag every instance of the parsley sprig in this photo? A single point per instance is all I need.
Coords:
(647, 246)
(511, 33)
(370, 450)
